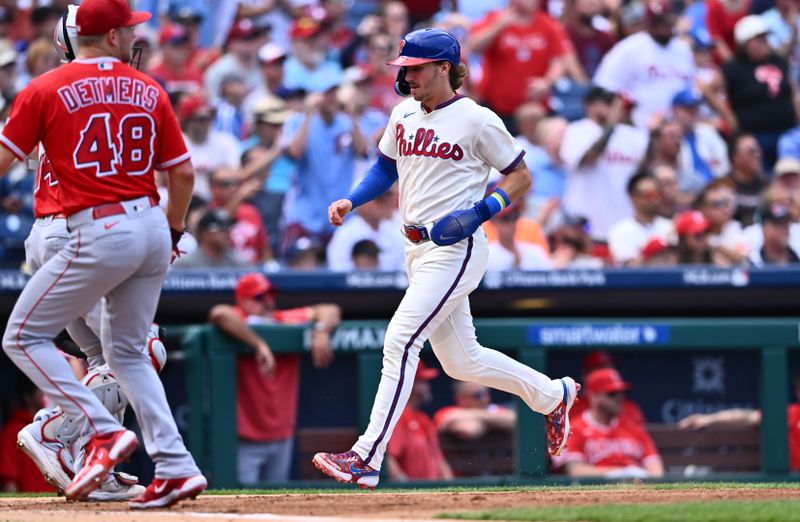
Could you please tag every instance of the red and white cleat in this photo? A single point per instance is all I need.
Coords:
(557, 421)
(347, 467)
(166, 492)
(103, 452)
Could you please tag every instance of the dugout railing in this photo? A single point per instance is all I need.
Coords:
(211, 374)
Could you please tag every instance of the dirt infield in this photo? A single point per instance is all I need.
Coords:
(368, 505)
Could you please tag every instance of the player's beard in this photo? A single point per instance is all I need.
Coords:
(424, 90)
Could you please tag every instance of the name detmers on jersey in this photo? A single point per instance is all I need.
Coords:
(108, 90)
(425, 143)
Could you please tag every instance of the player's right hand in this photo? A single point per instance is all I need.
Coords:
(338, 210)
(265, 360)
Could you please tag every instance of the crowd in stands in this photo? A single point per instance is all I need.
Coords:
(658, 132)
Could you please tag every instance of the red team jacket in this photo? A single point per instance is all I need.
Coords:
(105, 127)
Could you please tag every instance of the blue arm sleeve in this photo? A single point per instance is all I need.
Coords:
(380, 177)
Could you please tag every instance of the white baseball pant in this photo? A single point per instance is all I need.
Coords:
(436, 307)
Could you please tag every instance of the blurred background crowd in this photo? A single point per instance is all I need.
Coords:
(658, 133)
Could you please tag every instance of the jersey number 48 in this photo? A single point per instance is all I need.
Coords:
(131, 150)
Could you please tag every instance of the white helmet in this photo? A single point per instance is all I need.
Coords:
(65, 39)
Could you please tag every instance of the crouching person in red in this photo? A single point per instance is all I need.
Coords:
(605, 443)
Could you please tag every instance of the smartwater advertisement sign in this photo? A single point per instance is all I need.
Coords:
(619, 334)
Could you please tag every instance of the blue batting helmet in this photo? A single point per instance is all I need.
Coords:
(428, 45)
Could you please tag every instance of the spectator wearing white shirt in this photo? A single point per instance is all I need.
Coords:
(240, 58)
(600, 153)
(783, 190)
(509, 254)
(703, 153)
(210, 149)
(775, 221)
(374, 221)
(783, 22)
(651, 66)
(628, 237)
(717, 202)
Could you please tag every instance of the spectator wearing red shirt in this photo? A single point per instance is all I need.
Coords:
(414, 451)
(267, 385)
(172, 68)
(248, 234)
(603, 442)
(745, 417)
(721, 17)
(18, 473)
(596, 360)
(590, 43)
(522, 51)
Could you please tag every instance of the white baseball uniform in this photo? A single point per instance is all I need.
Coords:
(443, 162)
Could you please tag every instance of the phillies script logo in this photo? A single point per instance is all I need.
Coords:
(425, 143)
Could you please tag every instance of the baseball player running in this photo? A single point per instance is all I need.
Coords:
(105, 127)
(50, 440)
(440, 146)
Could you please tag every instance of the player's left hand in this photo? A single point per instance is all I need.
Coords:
(455, 226)
(176, 237)
(338, 210)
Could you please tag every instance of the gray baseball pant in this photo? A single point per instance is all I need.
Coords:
(123, 257)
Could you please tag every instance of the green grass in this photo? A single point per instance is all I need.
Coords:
(728, 511)
(347, 489)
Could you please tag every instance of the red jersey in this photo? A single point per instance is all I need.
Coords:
(415, 446)
(630, 410)
(105, 127)
(46, 193)
(187, 79)
(266, 407)
(248, 234)
(623, 443)
(517, 55)
(15, 466)
(720, 21)
(794, 436)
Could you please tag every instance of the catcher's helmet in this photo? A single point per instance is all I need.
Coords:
(65, 39)
(424, 46)
(428, 45)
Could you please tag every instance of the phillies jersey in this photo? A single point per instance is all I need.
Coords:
(623, 443)
(105, 127)
(444, 157)
(46, 193)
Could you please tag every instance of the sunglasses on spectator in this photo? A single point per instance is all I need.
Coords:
(614, 395)
(721, 203)
(226, 183)
(648, 194)
(480, 395)
(264, 296)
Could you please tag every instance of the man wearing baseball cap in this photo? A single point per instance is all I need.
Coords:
(605, 443)
(267, 384)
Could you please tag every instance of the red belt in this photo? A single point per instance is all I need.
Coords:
(416, 233)
(113, 209)
(60, 215)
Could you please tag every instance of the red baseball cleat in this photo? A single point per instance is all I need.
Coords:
(103, 452)
(166, 492)
(347, 467)
(557, 421)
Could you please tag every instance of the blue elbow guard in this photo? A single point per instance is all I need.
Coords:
(380, 177)
(457, 225)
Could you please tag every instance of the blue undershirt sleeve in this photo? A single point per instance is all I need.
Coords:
(380, 177)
